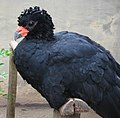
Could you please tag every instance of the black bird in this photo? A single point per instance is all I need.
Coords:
(66, 65)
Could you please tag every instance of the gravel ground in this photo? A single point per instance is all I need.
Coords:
(29, 112)
(38, 111)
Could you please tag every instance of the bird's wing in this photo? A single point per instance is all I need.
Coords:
(83, 68)
(112, 62)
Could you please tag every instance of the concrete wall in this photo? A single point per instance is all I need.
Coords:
(98, 19)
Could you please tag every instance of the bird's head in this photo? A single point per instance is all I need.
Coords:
(35, 23)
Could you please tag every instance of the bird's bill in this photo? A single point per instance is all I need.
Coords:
(20, 32)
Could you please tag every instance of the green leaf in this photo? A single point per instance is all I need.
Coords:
(4, 52)
(1, 91)
(1, 64)
(3, 75)
(5, 96)
(8, 53)
(1, 80)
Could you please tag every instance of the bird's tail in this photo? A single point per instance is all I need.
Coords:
(117, 69)
(110, 106)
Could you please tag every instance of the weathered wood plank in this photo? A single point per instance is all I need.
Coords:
(57, 114)
(72, 109)
(11, 89)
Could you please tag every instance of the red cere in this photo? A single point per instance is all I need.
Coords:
(23, 31)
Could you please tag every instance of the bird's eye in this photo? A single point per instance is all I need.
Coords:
(31, 23)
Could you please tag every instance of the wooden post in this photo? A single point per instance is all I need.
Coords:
(11, 89)
(57, 114)
(72, 109)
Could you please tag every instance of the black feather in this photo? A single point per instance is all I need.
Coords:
(69, 65)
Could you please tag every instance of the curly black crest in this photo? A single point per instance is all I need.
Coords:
(29, 11)
(45, 25)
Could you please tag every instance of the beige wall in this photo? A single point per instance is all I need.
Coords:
(98, 19)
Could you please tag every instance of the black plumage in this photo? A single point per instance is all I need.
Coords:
(67, 65)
